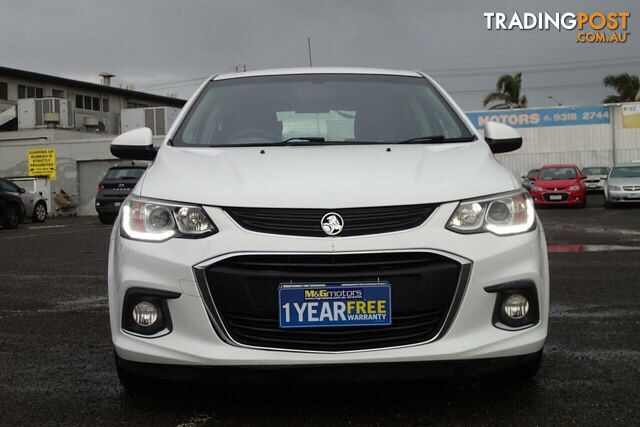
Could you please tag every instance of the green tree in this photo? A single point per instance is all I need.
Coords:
(627, 86)
(508, 91)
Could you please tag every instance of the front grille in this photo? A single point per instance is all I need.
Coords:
(306, 222)
(564, 196)
(244, 297)
(632, 188)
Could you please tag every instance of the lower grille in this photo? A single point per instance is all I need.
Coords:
(306, 222)
(242, 295)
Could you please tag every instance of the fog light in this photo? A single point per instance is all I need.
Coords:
(516, 306)
(145, 314)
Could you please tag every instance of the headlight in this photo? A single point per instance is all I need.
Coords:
(156, 221)
(613, 188)
(501, 215)
(536, 188)
(574, 188)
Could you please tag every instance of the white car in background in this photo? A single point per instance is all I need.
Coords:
(34, 202)
(333, 218)
(596, 177)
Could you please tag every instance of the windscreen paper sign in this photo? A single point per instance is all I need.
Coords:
(335, 304)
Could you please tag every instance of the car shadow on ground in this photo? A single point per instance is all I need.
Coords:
(351, 401)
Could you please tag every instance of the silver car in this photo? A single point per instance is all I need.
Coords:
(623, 185)
(596, 177)
(34, 203)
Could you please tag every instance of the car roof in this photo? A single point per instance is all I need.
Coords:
(559, 166)
(318, 70)
(627, 165)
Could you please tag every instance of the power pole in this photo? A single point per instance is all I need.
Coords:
(309, 46)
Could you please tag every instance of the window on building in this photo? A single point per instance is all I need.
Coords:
(79, 101)
(30, 92)
(4, 90)
(57, 93)
(96, 104)
(87, 102)
(105, 105)
(136, 105)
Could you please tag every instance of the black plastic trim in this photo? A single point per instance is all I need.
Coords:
(154, 296)
(287, 374)
(526, 288)
(133, 152)
(503, 145)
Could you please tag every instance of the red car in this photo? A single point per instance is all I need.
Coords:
(559, 185)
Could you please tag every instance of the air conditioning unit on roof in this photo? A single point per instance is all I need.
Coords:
(32, 113)
(158, 119)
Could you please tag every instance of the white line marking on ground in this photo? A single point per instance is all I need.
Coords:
(41, 227)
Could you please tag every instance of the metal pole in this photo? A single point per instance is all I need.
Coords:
(309, 46)
(612, 123)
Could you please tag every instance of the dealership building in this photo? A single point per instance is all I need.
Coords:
(55, 133)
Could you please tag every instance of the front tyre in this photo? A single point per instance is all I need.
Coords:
(11, 217)
(39, 212)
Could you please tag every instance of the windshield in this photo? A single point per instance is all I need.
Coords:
(595, 171)
(338, 108)
(124, 173)
(558, 173)
(626, 172)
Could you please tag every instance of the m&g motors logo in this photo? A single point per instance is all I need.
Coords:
(596, 27)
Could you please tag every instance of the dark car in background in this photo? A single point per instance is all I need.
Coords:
(12, 209)
(115, 187)
(34, 202)
(532, 175)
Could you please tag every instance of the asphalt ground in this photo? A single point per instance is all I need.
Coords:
(56, 361)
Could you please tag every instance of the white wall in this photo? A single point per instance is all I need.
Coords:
(583, 145)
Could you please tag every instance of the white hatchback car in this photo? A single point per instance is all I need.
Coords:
(341, 218)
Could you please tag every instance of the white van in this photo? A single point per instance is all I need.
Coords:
(328, 217)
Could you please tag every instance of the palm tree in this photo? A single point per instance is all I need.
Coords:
(507, 90)
(627, 86)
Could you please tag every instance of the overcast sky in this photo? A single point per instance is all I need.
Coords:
(158, 46)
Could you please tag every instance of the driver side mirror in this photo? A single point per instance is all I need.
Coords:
(501, 138)
(21, 190)
(136, 144)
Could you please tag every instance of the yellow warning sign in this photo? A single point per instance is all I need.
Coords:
(42, 162)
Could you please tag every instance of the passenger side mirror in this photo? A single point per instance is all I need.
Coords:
(501, 138)
(21, 190)
(583, 176)
(135, 144)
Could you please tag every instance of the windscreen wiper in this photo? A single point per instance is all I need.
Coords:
(435, 139)
(299, 140)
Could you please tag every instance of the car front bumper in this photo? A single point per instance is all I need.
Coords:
(108, 206)
(169, 266)
(544, 198)
(595, 186)
(622, 196)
